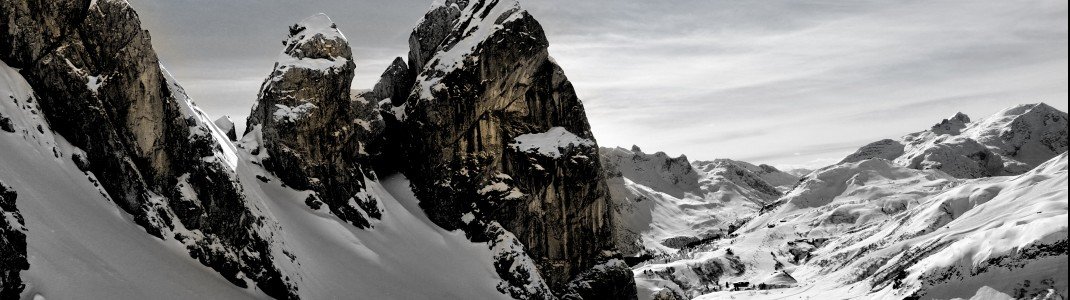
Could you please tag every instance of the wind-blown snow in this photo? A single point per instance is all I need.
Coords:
(549, 143)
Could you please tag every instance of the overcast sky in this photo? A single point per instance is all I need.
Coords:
(788, 83)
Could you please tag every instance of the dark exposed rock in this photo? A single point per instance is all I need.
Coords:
(426, 38)
(395, 84)
(492, 130)
(953, 125)
(101, 87)
(608, 280)
(12, 245)
(6, 125)
(309, 125)
(679, 242)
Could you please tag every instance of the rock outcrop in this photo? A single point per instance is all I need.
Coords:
(101, 87)
(304, 121)
(12, 245)
(1009, 142)
(227, 126)
(493, 134)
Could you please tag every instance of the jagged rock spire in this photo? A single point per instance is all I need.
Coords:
(484, 82)
(306, 123)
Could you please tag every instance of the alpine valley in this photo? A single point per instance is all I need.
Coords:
(469, 171)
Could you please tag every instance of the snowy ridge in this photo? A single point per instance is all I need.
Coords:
(1009, 142)
(875, 229)
(664, 204)
(783, 181)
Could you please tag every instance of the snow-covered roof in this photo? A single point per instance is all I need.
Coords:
(780, 278)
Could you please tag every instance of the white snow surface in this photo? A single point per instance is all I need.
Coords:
(658, 197)
(81, 245)
(849, 230)
(549, 143)
(1016, 135)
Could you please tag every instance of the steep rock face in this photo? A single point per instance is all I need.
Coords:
(227, 126)
(1009, 142)
(305, 119)
(494, 134)
(160, 159)
(12, 245)
(394, 84)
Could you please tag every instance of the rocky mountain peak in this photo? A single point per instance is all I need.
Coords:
(317, 37)
(1028, 134)
(674, 176)
(1008, 142)
(393, 85)
(495, 141)
(745, 175)
(305, 121)
(952, 125)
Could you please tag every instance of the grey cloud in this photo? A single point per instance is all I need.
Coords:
(755, 80)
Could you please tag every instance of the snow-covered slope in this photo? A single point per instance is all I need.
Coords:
(403, 256)
(664, 203)
(81, 245)
(875, 229)
(780, 180)
(1009, 142)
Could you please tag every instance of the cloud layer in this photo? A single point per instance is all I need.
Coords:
(778, 82)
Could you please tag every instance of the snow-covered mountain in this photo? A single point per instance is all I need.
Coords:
(664, 204)
(1010, 142)
(877, 228)
(874, 229)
